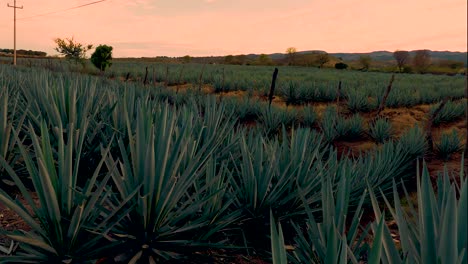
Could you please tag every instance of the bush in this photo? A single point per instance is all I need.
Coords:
(341, 66)
(102, 56)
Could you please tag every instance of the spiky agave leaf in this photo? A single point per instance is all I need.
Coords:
(70, 222)
(380, 130)
(435, 232)
(167, 156)
(449, 144)
(325, 239)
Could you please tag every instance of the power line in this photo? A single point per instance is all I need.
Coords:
(63, 10)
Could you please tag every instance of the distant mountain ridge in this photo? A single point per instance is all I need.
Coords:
(380, 55)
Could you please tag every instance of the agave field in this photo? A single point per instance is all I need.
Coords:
(192, 164)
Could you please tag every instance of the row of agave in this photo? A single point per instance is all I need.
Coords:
(430, 230)
(297, 85)
(115, 169)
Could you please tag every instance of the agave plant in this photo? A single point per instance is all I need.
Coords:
(414, 142)
(358, 102)
(266, 175)
(328, 124)
(452, 111)
(292, 93)
(435, 232)
(309, 116)
(273, 119)
(326, 241)
(380, 130)
(449, 144)
(69, 222)
(350, 128)
(167, 157)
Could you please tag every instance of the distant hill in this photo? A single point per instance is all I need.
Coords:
(387, 55)
(379, 55)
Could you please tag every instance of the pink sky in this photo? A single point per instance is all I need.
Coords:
(220, 27)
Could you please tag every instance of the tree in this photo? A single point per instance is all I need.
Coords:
(365, 61)
(322, 58)
(401, 57)
(421, 60)
(102, 56)
(71, 49)
(291, 51)
(187, 59)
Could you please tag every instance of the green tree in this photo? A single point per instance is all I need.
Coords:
(186, 59)
(71, 49)
(102, 56)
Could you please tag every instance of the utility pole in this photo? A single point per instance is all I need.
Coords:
(14, 30)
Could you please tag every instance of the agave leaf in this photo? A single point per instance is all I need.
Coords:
(278, 250)
(375, 253)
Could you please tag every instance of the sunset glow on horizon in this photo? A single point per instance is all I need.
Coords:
(148, 28)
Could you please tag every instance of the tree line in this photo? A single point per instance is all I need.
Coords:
(23, 52)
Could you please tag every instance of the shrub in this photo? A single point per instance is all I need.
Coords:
(341, 66)
(102, 56)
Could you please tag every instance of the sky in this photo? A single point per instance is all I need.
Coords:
(148, 28)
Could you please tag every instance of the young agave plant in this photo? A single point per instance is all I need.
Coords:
(166, 156)
(358, 102)
(449, 144)
(380, 130)
(436, 231)
(328, 124)
(449, 113)
(273, 119)
(413, 142)
(69, 222)
(350, 128)
(326, 239)
(309, 116)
